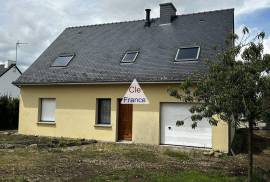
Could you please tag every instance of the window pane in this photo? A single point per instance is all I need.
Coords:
(130, 57)
(104, 111)
(48, 110)
(187, 53)
(62, 61)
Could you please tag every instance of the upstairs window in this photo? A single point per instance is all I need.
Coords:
(62, 60)
(130, 57)
(187, 54)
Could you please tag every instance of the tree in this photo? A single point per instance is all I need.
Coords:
(234, 88)
(9, 112)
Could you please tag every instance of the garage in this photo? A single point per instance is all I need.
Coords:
(171, 134)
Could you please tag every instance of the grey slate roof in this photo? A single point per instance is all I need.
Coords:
(99, 49)
(3, 70)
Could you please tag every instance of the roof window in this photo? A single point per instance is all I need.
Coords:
(130, 57)
(187, 54)
(62, 60)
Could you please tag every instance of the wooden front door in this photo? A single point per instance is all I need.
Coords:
(124, 121)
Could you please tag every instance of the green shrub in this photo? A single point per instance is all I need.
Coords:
(240, 142)
(9, 112)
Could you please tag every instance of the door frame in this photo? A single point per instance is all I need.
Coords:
(118, 102)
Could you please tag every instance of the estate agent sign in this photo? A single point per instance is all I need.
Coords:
(134, 95)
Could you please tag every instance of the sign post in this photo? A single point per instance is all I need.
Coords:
(134, 95)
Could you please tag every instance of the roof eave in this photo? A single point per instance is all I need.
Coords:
(96, 83)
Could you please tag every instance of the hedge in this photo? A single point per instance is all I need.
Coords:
(9, 113)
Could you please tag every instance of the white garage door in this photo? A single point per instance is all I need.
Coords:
(171, 134)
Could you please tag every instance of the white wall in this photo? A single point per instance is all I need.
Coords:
(6, 86)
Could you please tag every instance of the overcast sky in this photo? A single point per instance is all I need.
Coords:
(39, 22)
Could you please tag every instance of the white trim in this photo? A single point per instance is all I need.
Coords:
(124, 142)
(164, 24)
(47, 122)
(181, 60)
(127, 52)
(103, 125)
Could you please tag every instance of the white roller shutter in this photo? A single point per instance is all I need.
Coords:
(171, 134)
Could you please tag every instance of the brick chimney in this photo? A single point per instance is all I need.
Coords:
(167, 13)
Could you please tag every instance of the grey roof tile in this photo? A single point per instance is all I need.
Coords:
(2, 69)
(99, 49)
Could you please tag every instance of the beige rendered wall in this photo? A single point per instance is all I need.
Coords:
(220, 137)
(76, 111)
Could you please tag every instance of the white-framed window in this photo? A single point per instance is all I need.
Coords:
(187, 54)
(103, 111)
(130, 57)
(47, 109)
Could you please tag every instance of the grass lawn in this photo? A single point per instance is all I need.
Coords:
(111, 162)
(187, 175)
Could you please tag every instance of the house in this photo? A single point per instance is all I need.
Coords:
(9, 72)
(75, 87)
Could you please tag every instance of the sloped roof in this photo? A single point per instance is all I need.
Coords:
(99, 49)
(3, 70)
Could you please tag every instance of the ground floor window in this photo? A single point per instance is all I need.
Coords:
(103, 111)
(47, 109)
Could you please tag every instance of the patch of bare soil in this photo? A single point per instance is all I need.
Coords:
(82, 162)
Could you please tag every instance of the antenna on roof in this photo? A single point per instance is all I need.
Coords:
(18, 43)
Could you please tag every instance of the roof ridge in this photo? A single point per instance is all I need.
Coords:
(204, 12)
(102, 24)
(7, 69)
(130, 21)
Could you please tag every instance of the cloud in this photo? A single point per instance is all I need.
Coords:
(40, 22)
(250, 6)
(267, 45)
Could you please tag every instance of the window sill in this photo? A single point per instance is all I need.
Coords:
(103, 125)
(46, 123)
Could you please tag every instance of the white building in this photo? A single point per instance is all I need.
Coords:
(9, 72)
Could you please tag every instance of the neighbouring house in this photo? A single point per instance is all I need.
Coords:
(9, 72)
(75, 87)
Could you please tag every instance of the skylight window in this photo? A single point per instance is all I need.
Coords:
(187, 54)
(130, 57)
(62, 60)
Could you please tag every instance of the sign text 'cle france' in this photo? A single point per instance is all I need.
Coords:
(134, 95)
